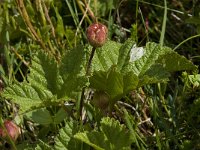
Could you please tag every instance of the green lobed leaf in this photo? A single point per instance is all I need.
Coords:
(65, 134)
(147, 68)
(73, 72)
(77, 144)
(74, 61)
(155, 64)
(130, 81)
(26, 96)
(44, 73)
(59, 116)
(42, 116)
(116, 133)
(99, 80)
(40, 87)
(114, 83)
(45, 84)
(124, 54)
(151, 53)
(43, 146)
(65, 139)
(106, 56)
(112, 136)
(156, 73)
(94, 139)
(172, 61)
(72, 86)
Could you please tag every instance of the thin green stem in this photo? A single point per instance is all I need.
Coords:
(173, 10)
(88, 70)
(192, 37)
(146, 28)
(162, 36)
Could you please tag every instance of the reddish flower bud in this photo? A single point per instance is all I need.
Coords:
(12, 129)
(97, 34)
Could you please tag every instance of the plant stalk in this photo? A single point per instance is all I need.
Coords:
(88, 71)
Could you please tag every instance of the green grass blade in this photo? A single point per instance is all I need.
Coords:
(162, 36)
(73, 13)
(192, 37)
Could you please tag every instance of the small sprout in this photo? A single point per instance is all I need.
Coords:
(97, 34)
(12, 130)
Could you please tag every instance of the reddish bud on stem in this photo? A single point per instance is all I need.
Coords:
(97, 34)
(12, 130)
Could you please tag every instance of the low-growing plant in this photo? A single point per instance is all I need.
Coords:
(51, 87)
(100, 94)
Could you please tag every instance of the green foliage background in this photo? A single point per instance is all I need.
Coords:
(151, 102)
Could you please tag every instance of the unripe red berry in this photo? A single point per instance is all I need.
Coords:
(97, 34)
(12, 129)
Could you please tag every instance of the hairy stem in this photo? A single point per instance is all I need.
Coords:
(88, 71)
